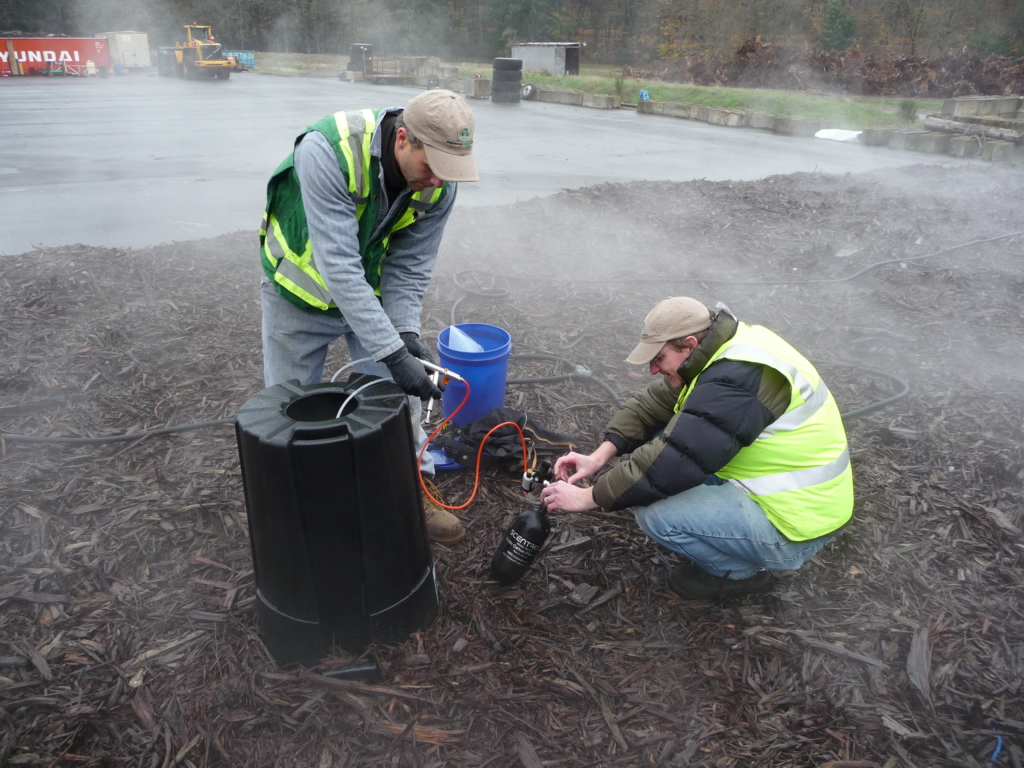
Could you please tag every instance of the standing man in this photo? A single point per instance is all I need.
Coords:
(348, 242)
(739, 457)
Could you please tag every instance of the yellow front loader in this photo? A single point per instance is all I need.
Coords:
(200, 56)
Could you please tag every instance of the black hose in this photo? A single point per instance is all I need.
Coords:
(722, 281)
(580, 372)
(872, 406)
(115, 438)
(585, 374)
(487, 293)
(544, 379)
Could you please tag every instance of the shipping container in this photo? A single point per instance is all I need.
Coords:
(552, 58)
(128, 50)
(42, 55)
(246, 58)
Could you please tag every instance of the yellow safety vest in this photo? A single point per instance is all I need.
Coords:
(798, 468)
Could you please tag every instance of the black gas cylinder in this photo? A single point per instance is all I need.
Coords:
(339, 542)
(520, 545)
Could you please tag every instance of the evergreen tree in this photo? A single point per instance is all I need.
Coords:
(839, 28)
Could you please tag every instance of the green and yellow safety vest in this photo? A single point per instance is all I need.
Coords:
(798, 468)
(285, 247)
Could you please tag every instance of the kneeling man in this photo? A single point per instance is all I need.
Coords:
(739, 460)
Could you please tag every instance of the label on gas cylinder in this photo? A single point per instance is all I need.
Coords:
(518, 549)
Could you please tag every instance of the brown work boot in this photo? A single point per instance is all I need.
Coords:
(442, 526)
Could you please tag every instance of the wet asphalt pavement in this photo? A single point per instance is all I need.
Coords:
(137, 160)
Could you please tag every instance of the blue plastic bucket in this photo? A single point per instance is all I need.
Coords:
(485, 371)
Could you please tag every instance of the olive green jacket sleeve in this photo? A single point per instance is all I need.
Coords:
(643, 415)
(633, 430)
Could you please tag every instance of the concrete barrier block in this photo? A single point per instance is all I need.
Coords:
(737, 118)
(905, 139)
(761, 120)
(1009, 104)
(965, 146)
(934, 143)
(875, 137)
(963, 106)
(988, 106)
(699, 112)
(999, 151)
(674, 109)
(601, 101)
(645, 107)
(477, 87)
(783, 125)
(558, 96)
(721, 116)
(798, 126)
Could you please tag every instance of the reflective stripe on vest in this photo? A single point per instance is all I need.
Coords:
(354, 143)
(794, 481)
(814, 398)
(296, 271)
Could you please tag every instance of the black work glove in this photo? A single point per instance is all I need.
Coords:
(411, 376)
(416, 347)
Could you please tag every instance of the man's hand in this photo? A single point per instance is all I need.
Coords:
(410, 375)
(574, 467)
(416, 347)
(568, 498)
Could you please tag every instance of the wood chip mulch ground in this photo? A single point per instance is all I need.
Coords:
(127, 626)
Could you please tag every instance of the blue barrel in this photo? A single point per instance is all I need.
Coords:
(485, 371)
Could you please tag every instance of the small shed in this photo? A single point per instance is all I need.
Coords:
(556, 58)
(129, 49)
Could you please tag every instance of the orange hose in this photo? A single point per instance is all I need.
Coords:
(479, 455)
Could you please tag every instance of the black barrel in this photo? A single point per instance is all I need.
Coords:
(339, 542)
(507, 80)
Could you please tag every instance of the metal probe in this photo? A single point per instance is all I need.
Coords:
(438, 372)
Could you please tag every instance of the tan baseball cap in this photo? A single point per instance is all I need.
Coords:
(444, 123)
(670, 319)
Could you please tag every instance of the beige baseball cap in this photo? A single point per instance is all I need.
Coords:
(445, 124)
(670, 319)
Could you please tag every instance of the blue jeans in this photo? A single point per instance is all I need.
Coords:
(295, 347)
(724, 531)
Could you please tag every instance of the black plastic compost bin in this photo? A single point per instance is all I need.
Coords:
(339, 543)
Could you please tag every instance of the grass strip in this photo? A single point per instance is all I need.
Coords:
(842, 111)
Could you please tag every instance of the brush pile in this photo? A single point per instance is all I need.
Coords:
(127, 626)
(758, 64)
